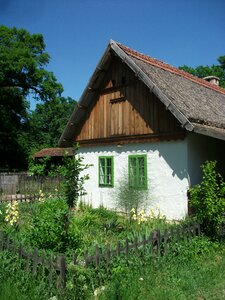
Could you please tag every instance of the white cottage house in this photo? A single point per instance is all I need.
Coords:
(144, 119)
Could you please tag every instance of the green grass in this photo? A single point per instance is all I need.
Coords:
(193, 271)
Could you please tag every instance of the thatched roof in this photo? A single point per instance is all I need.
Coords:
(197, 104)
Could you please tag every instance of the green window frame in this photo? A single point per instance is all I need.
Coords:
(106, 171)
(137, 165)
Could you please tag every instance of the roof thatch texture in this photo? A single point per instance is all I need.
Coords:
(198, 103)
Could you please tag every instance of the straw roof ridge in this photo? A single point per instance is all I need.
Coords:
(167, 67)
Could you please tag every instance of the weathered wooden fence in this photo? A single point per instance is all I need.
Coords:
(33, 259)
(157, 243)
(22, 187)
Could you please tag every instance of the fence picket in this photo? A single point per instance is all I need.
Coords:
(126, 247)
(50, 269)
(107, 254)
(118, 248)
(20, 250)
(97, 256)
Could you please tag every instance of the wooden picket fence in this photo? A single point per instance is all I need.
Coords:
(157, 243)
(33, 259)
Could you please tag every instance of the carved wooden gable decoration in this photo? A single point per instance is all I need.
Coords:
(126, 111)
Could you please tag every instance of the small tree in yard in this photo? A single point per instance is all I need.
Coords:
(208, 199)
(128, 197)
(74, 183)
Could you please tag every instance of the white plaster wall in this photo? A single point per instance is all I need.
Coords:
(167, 174)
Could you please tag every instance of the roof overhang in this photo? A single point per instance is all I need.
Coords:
(218, 133)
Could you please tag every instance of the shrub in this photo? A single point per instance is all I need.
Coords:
(128, 197)
(48, 229)
(208, 199)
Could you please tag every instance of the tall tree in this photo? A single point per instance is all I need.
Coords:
(214, 70)
(22, 72)
(47, 121)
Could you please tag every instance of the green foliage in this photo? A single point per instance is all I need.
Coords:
(127, 197)
(23, 58)
(208, 199)
(90, 227)
(47, 122)
(47, 228)
(214, 70)
(22, 72)
(74, 182)
(39, 167)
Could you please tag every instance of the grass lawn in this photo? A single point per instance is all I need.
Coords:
(194, 271)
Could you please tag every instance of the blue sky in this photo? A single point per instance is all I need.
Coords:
(76, 32)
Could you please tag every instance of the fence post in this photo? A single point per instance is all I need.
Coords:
(126, 247)
(50, 269)
(197, 229)
(97, 256)
(107, 254)
(60, 272)
(20, 250)
(118, 248)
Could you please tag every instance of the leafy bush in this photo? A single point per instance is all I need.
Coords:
(47, 229)
(127, 197)
(208, 199)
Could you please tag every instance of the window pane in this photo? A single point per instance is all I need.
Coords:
(137, 171)
(106, 171)
(101, 170)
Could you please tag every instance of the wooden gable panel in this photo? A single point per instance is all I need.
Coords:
(125, 107)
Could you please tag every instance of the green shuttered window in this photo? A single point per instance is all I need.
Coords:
(106, 171)
(137, 171)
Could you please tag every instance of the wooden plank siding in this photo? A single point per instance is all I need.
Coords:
(126, 108)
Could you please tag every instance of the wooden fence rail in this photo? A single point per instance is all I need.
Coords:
(55, 266)
(158, 242)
